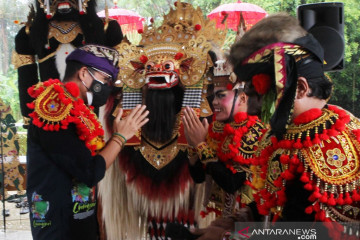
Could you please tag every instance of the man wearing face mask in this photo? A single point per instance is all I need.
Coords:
(67, 155)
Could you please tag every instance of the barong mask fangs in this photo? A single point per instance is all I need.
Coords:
(62, 6)
(174, 53)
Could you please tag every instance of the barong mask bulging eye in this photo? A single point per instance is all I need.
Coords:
(63, 6)
(173, 54)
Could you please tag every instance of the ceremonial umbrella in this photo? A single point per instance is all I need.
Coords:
(129, 20)
(237, 13)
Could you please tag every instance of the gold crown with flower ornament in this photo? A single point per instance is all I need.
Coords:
(184, 39)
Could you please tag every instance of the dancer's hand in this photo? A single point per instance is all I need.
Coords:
(195, 130)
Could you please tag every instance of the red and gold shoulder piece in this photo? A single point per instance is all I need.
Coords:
(334, 167)
(240, 140)
(56, 105)
(335, 161)
(52, 105)
(251, 139)
(354, 127)
(333, 170)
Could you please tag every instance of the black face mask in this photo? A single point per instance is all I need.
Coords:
(101, 93)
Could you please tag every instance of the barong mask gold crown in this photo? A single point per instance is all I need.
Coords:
(51, 6)
(176, 52)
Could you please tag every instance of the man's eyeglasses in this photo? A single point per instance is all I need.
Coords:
(107, 77)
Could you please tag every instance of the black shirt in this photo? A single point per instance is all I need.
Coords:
(61, 185)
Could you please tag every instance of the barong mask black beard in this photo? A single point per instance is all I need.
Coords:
(163, 106)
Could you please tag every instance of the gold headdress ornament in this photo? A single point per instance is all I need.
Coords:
(183, 38)
(176, 53)
(224, 75)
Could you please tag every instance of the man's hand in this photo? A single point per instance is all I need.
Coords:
(131, 123)
(195, 130)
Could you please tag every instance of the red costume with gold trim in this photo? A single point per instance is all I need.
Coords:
(231, 145)
(321, 149)
(57, 105)
(308, 162)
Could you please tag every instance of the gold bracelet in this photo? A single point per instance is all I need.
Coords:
(205, 153)
(201, 148)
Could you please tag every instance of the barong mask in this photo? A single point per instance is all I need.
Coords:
(63, 6)
(170, 62)
(176, 52)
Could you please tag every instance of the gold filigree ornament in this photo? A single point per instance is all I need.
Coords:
(64, 32)
(183, 41)
(337, 165)
(19, 60)
(159, 158)
(49, 107)
(335, 157)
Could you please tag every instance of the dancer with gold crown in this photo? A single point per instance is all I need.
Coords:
(225, 148)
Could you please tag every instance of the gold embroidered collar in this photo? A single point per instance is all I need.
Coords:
(64, 32)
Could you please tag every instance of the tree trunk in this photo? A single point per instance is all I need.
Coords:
(4, 47)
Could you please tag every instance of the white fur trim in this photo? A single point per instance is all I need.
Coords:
(61, 54)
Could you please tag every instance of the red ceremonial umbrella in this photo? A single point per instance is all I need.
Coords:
(233, 12)
(128, 20)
